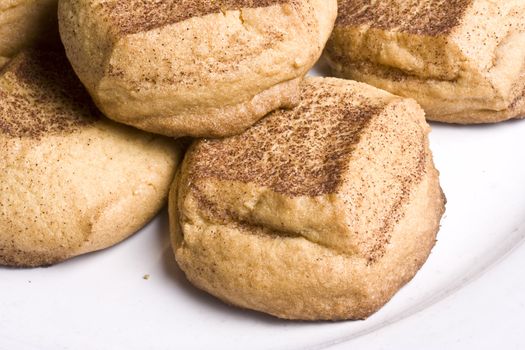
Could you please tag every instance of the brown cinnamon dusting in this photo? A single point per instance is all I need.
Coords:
(517, 101)
(135, 16)
(306, 154)
(40, 95)
(432, 17)
(382, 238)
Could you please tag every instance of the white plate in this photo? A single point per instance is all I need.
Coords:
(469, 293)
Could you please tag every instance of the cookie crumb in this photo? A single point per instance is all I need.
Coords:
(146, 277)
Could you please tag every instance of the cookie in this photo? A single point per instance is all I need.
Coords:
(24, 23)
(318, 213)
(462, 60)
(194, 67)
(71, 181)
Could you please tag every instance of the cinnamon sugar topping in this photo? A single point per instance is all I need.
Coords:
(40, 94)
(306, 154)
(135, 16)
(433, 17)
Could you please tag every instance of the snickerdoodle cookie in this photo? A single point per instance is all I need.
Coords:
(318, 213)
(194, 67)
(23, 23)
(71, 181)
(462, 60)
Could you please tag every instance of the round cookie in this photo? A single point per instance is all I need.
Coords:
(462, 60)
(71, 181)
(318, 213)
(194, 67)
(24, 23)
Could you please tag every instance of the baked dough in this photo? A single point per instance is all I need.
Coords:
(194, 67)
(318, 213)
(71, 181)
(24, 23)
(462, 60)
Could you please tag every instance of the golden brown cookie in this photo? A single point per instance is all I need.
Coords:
(318, 213)
(71, 181)
(462, 60)
(24, 23)
(194, 67)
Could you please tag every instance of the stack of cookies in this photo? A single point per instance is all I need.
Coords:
(304, 198)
